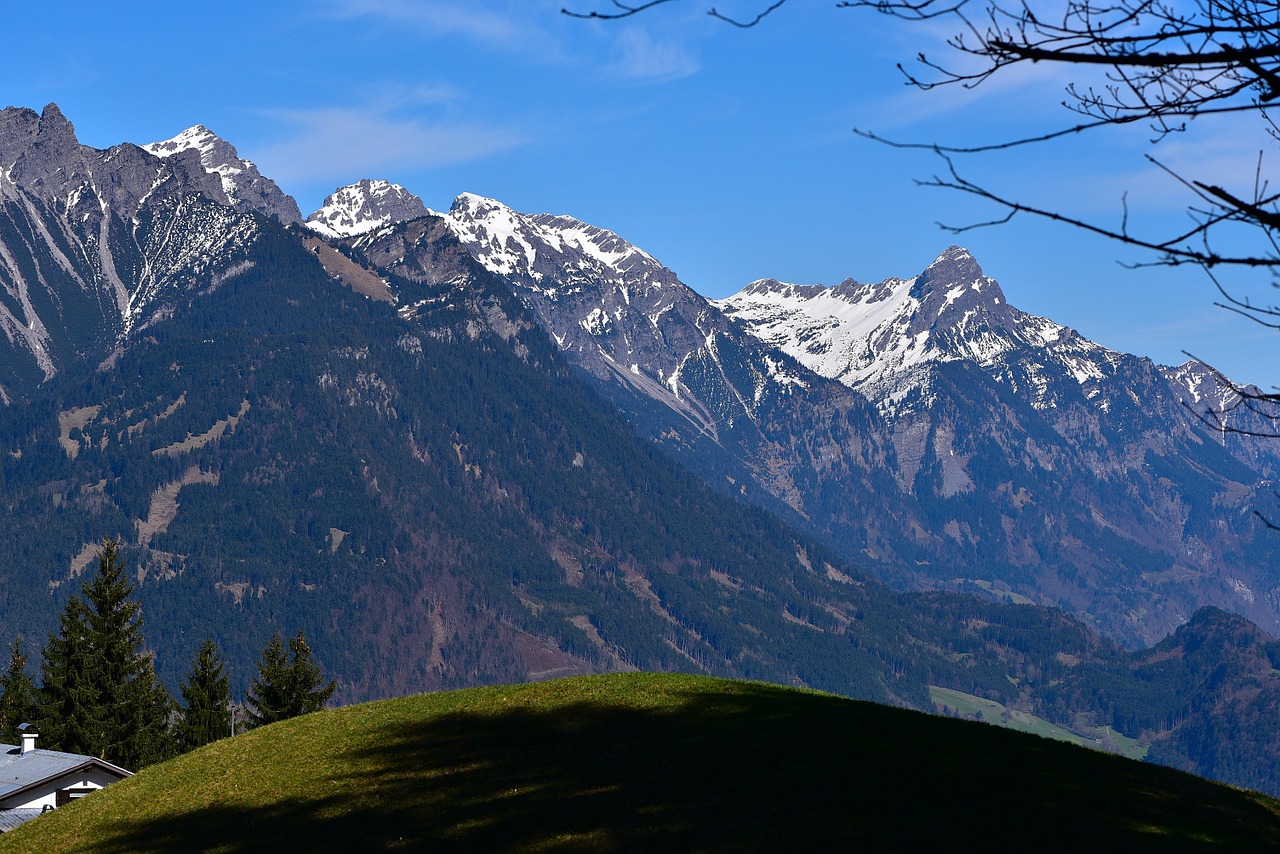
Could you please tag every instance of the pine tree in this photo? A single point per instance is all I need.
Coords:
(134, 705)
(268, 695)
(100, 695)
(17, 695)
(206, 697)
(287, 688)
(309, 691)
(69, 713)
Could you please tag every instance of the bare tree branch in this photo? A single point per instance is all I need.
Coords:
(750, 22)
(624, 11)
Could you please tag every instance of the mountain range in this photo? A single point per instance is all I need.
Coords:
(483, 445)
(922, 427)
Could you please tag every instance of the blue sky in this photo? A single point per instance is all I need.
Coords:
(728, 154)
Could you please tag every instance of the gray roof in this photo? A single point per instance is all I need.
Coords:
(20, 770)
(9, 819)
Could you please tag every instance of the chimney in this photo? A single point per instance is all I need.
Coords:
(28, 738)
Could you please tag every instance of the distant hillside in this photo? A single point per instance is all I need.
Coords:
(648, 762)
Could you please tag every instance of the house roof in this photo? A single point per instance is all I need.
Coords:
(9, 819)
(20, 771)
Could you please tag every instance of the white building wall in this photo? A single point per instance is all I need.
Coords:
(44, 795)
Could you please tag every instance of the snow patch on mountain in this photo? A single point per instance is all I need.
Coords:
(540, 247)
(877, 338)
(624, 317)
(365, 206)
(1214, 398)
(246, 187)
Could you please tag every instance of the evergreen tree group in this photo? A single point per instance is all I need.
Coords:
(286, 688)
(99, 694)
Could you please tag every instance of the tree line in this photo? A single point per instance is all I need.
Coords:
(99, 694)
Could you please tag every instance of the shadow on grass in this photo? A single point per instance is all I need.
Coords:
(759, 769)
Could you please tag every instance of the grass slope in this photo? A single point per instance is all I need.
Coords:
(969, 706)
(648, 762)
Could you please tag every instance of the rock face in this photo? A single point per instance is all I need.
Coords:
(245, 187)
(617, 310)
(364, 206)
(95, 244)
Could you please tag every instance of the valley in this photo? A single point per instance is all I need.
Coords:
(484, 446)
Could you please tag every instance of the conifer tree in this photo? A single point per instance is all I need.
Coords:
(68, 708)
(17, 695)
(287, 688)
(100, 694)
(269, 693)
(206, 697)
(134, 705)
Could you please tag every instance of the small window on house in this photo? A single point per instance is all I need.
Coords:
(66, 796)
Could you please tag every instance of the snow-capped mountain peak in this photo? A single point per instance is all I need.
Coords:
(494, 232)
(1205, 390)
(535, 247)
(364, 206)
(955, 275)
(624, 317)
(216, 154)
(245, 187)
(875, 337)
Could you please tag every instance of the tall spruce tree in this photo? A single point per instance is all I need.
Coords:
(310, 692)
(269, 693)
(101, 695)
(69, 716)
(17, 695)
(287, 688)
(206, 698)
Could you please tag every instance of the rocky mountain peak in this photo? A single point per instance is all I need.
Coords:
(507, 242)
(18, 126)
(364, 206)
(957, 260)
(541, 248)
(214, 151)
(474, 206)
(1204, 390)
(126, 232)
(774, 287)
(44, 153)
(245, 187)
(881, 338)
(54, 125)
(955, 281)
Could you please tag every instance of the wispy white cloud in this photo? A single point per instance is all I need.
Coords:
(1034, 91)
(344, 144)
(511, 28)
(639, 56)
(528, 28)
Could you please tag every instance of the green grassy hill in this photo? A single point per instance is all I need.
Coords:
(648, 762)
